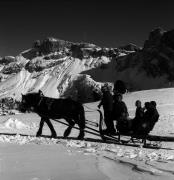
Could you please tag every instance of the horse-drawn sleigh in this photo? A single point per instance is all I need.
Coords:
(73, 112)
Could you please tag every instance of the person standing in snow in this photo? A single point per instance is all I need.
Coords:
(107, 103)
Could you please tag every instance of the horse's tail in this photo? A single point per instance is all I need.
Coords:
(82, 116)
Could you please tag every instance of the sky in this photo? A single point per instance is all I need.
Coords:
(103, 22)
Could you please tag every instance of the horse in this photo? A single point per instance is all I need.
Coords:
(51, 108)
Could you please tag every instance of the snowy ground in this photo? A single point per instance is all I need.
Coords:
(25, 157)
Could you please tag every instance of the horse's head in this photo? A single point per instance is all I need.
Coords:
(30, 101)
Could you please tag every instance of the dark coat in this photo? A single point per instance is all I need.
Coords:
(137, 121)
(107, 101)
(139, 113)
(119, 110)
(154, 118)
(151, 115)
(150, 118)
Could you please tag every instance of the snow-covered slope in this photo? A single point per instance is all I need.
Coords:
(56, 77)
(58, 68)
(61, 68)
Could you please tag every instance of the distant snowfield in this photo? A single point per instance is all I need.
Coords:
(25, 157)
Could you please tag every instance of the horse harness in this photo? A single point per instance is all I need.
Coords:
(48, 102)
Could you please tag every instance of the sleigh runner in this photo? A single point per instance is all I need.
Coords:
(124, 129)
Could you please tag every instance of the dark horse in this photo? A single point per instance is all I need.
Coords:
(50, 108)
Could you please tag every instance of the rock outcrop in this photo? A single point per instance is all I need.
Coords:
(130, 47)
(7, 59)
(12, 68)
(153, 66)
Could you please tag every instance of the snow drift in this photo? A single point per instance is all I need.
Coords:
(14, 124)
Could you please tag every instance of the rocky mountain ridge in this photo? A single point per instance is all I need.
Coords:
(56, 67)
(153, 65)
(77, 70)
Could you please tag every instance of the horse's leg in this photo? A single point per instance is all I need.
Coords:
(81, 134)
(81, 125)
(39, 132)
(80, 120)
(53, 132)
(68, 130)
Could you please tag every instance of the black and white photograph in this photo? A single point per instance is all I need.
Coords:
(86, 90)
